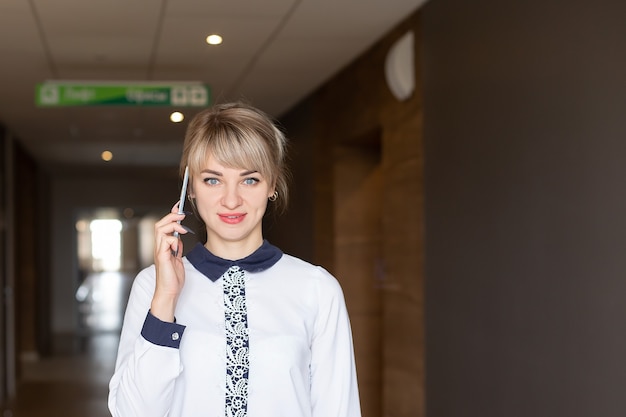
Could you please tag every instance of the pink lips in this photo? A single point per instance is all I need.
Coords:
(232, 218)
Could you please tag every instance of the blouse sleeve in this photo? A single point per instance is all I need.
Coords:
(148, 361)
(334, 390)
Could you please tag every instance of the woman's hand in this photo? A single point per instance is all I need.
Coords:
(170, 272)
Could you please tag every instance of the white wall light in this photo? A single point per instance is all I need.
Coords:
(400, 67)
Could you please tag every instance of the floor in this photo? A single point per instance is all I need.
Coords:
(73, 382)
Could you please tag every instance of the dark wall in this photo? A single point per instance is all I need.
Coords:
(525, 177)
(4, 355)
(292, 230)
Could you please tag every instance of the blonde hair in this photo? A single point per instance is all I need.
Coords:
(238, 136)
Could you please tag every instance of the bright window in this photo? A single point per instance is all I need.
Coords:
(106, 244)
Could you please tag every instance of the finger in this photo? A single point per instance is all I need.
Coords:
(187, 229)
(168, 220)
(170, 228)
(166, 246)
(178, 252)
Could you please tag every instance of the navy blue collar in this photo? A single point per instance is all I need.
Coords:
(214, 267)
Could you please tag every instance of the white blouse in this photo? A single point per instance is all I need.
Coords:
(301, 354)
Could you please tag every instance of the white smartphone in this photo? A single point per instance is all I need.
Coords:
(183, 196)
(183, 191)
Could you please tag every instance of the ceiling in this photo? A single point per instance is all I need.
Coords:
(275, 52)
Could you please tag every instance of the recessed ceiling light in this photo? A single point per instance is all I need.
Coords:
(107, 156)
(177, 117)
(214, 39)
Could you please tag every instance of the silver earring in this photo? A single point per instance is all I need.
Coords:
(274, 196)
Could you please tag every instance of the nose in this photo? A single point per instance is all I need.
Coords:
(231, 198)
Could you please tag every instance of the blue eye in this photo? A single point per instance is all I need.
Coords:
(212, 181)
(250, 181)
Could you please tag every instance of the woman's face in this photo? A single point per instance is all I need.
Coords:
(231, 202)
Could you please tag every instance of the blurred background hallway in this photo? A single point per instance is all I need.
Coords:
(73, 380)
(475, 222)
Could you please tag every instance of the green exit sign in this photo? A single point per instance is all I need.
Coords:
(55, 94)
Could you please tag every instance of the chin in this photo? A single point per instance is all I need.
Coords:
(233, 236)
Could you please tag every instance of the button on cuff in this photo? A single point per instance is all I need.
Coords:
(162, 333)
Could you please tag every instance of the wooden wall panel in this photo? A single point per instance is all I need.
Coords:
(368, 164)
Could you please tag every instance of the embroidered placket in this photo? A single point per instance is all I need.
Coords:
(236, 325)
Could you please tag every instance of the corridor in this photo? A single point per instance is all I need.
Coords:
(71, 384)
(73, 381)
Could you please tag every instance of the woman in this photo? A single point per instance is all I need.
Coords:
(235, 327)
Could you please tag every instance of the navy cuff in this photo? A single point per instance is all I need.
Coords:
(162, 333)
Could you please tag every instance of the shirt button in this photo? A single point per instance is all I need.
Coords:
(175, 336)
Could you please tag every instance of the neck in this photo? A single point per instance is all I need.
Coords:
(233, 250)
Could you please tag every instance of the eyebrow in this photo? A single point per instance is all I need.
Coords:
(219, 174)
